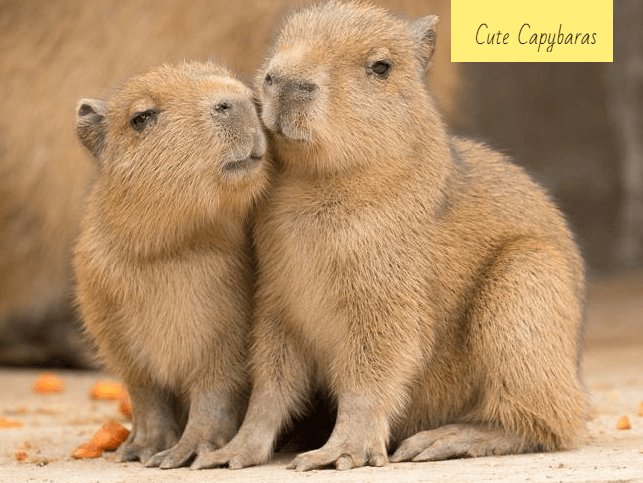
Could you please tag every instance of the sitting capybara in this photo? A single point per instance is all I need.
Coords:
(163, 261)
(426, 282)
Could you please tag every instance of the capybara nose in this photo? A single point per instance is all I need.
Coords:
(284, 87)
(232, 110)
(227, 107)
(268, 80)
(222, 107)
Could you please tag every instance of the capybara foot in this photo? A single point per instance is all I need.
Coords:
(341, 456)
(239, 453)
(457, 441)
(134, 452)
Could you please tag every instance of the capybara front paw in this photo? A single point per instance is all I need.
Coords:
(135, 452)
(341, 458)
(181, 454)
(232, 456)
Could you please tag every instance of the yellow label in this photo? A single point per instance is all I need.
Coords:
(531, 31)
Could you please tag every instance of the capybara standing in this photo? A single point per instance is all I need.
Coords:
(424, 280)
(163, 261)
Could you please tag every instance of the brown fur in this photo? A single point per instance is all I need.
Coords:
(425, 281)
(163, 260)
(48, 59)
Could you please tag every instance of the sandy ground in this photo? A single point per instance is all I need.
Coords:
(54, 425)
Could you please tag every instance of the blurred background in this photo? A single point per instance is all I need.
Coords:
(577, 128)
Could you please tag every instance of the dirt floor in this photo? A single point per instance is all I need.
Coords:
(54, 425)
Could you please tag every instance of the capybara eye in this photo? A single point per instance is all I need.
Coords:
(381, 68)
(141, 120)
(267, 80)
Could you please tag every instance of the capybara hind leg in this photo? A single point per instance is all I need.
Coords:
(457, 441)
(524, 336)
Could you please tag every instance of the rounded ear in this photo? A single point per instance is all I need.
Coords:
(424, 34)
(91, 126)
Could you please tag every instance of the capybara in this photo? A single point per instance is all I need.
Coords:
(163, 261)
(423, 280)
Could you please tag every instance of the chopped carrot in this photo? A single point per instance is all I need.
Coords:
(6, 423)
(21, 455)
(48, 383)
(623, 423)
(87, 451)
(108, 391)
(108, 437)
(125, 406)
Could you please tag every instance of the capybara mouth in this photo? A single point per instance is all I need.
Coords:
(243, 164)
(289, 137)
(284, 133)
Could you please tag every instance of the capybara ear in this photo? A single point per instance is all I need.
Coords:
(91, 126)
(424, 34)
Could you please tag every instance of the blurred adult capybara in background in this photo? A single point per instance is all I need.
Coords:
(51, 54)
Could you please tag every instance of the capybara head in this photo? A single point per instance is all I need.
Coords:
(188, 133)
(344, 85)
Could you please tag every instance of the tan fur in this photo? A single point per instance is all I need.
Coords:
(163, 260)
(48, 59)
(423, 280)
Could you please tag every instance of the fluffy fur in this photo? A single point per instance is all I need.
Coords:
(423, 280)
(163, 261)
